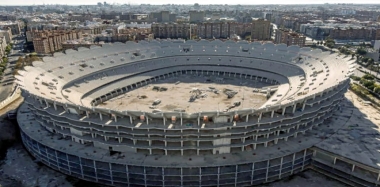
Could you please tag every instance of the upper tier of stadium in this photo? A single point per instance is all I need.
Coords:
(88, 77)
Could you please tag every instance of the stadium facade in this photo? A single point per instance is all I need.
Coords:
(64, 123)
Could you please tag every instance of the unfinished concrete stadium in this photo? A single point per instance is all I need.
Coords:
(188, 113)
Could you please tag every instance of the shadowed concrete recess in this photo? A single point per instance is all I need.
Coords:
(181, 113)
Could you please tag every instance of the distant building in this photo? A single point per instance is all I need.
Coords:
(14, 26)
(163, 17)
(260, 29)
(289, 38)
(7, 33)
(3, 46)
(172, 30)
(376, 48)
(355, 34)
(196, 16)
(7, 17)
(49, 41)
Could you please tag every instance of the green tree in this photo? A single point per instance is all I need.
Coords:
(361, 51)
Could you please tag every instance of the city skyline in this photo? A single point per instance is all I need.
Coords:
(205, 2)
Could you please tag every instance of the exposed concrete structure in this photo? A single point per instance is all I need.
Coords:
(65, 123)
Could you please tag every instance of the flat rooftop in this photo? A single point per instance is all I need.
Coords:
(191, 94)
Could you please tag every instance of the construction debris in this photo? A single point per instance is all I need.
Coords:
(160, 89)
(229, 93)
(156, 102)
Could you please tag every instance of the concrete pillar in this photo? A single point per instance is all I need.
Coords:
(101, 116)
(199, 116)
(87, 114)
(353, 168)
(272, 114)
(246, 118)
(303, 106)
(283, 110)
(130, 119)
(163, 118)
(266, 144)
(115, 118)
(181, 119)
(55, 106)
(294, 108)
(147, 120)
(282, 161)
(261, 114)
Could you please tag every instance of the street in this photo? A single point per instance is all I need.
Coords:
(7, 80)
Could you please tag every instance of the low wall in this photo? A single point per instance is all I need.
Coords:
(15, 95)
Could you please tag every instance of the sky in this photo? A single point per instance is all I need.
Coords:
(93, 2)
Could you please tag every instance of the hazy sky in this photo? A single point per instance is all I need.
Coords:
(82, 2)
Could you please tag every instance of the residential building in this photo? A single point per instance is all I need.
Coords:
(51, 40)
(173, 30)
(260, 29)
(14, 26)
(196, 16)
(7, 33)
(3, 46)
(289, 38)
(355, 34)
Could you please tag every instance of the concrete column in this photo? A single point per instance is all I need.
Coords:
(294, 108)
(130, 119)
(55, 106)
(283, 110)
(115, 118)
(282, 160)
(294, 158)
(272, 114)
(100, 115)
(87, 114)
(304, 158)
(266, 175)
(254, 146)
(163, 118)
(246, 118)
(199, 116)
(353, 168)
(181, 119)
(303, 106)
(147, 120)
(261, 114)
(266, 144)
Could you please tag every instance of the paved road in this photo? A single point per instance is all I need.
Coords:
(6, 84)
